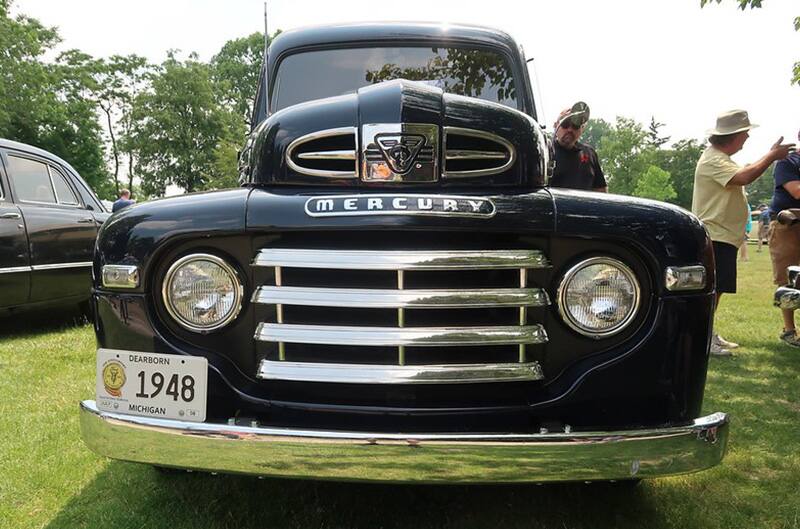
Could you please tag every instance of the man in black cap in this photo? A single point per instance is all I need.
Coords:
(577, 165)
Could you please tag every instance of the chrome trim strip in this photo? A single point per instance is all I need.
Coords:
(501, 457)
(401, 260)
(394, 336)
(341, 131)
(455, 154)
(396, 299)
(512, 153)
(399, 374)
(328, 155)
(58, 266)
(15, 269)
(561, 297)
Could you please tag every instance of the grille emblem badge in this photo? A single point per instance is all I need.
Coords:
(400, 150)
(400, 153)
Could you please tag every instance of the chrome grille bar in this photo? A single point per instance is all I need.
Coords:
(400, 299)
(401, 374)
(453, 154)
(328, 155)
(396, 336)
(401, 260)
(401, 318)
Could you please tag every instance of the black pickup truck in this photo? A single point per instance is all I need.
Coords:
(395, 293)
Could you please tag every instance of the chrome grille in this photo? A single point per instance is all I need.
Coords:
(328, 153)
(403, 265)
(471, 153)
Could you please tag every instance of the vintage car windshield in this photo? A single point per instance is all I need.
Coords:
(317, 74)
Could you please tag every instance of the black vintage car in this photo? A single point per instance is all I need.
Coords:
(48, 225)
(394, 293)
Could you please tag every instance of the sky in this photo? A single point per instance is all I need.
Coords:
(634, 58)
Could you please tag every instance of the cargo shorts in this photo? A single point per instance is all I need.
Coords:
(784, 249)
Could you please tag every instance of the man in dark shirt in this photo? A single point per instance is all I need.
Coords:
(123, 201)
(577, 165)
(784, 241)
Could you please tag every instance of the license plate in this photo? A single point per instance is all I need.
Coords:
(152, 384)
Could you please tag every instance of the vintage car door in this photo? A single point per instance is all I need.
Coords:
(61, 231)
(14, 262)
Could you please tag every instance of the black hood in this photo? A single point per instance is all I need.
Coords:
(396, 134)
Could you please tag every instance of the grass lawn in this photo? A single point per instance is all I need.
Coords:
(49, 479)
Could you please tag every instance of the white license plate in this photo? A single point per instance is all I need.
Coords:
(152, 384)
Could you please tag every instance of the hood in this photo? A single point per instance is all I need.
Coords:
(396, 134)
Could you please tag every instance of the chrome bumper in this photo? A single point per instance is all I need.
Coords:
(420, 458)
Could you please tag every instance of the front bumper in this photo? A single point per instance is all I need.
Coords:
(420, 458)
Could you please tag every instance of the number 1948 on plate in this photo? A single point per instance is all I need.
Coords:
(156, 385)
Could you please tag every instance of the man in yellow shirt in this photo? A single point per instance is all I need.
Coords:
(719, 199)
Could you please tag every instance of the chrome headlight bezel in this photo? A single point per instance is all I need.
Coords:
(226, 267)
(567, 316)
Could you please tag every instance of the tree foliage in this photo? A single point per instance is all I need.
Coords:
(236, 70)
(755, 4)
(628, 152)
(179, 128)
(656, 184)
(625, 155)
(45, 103)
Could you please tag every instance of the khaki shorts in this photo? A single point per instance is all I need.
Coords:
(784, 249)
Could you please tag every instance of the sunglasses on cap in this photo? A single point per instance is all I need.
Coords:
(571, 124)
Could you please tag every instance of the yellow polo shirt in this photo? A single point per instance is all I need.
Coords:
(722, 208)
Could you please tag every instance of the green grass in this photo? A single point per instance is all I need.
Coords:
(49, 479)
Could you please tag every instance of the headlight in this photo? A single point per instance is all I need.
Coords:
(202, 292)
(598, 297)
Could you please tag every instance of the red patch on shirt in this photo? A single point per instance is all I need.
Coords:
(584, 157)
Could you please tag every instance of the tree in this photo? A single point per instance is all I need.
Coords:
(754, 4)
(625, 155)
(760, 191)
(180, 131)
(236, 70)
(44, 103)
(594, 132)
(653, 134)
(118, 79)
(680, 162)
(655, 183)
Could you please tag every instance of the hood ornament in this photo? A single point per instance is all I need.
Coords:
(400, 153)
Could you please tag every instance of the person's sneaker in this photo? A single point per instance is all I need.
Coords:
(717, 350)
(791, 338)
(723, 343)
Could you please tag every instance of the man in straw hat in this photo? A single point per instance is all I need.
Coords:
(577, 165)
(720, 202)
(784, 240)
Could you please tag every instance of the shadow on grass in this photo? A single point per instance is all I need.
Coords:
(30, 323)
(132, 495)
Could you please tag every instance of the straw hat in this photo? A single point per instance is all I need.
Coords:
(731, 122)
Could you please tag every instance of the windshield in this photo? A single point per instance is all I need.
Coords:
(468, 72)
